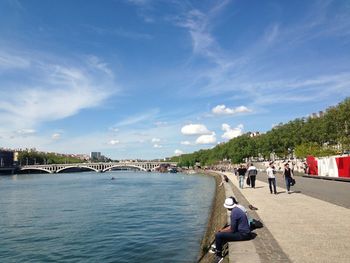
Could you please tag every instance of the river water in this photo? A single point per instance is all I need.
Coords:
(87, 217)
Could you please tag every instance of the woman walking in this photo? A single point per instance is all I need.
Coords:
(288, 176)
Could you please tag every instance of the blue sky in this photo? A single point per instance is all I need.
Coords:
(154, 78)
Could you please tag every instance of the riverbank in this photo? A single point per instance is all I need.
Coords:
(217, 219)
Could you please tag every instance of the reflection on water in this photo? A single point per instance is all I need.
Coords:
(87, 217)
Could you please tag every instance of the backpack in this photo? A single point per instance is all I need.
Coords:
(252, 172)
(255, 223)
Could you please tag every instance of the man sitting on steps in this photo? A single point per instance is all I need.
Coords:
(238, 230)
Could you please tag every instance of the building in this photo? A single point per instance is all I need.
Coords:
(95, 156)
(6, 158)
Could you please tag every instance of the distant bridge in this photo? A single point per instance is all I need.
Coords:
(98, 167)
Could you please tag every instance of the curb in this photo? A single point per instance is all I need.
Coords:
(339, 179)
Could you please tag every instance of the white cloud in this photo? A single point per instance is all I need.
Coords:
(157, 146)
(56, 136)
(223, 110)
(113, 142)
(186, 143)
(99, 64)
(50, 91)
(231, 133)
(26, 132)
(139, 2)
(138, 118)
(8, 61)
(155, 140)
(114, 129)
(160, 123)
(178, 152)
(272, 33)
(194, 129)
(206, 139)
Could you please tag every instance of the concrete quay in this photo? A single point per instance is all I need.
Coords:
(297, 228)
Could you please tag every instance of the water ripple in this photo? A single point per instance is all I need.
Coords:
(139, 217)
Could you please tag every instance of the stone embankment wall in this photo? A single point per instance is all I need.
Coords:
(217, 219)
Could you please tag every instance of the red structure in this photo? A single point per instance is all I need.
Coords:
(343, 164)
(312, 165)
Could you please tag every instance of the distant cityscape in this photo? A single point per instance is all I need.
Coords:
(15, 157)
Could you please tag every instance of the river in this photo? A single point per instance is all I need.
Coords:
(87, 217)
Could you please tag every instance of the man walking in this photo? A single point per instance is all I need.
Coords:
(238, 230)
(241, 174)
(270, 171)
(252, 172)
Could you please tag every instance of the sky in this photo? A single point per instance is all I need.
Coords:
(148, 79)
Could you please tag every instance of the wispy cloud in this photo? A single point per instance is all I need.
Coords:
(26, 132)
(113, 142)
(155, 140)
(56, 136)
(138, 118)
(8, 61)
(203, 43)
(120, 32)
(46, 91)
(251, 71)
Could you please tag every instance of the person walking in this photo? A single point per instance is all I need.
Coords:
(241, 175)
(238, 230)
(288, 176)
(252, 172)
(271, 177)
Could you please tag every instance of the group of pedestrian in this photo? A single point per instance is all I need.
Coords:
(249, 176)
(287, 175)
(251, 173)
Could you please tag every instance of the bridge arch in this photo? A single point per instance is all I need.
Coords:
(69, 167)
(36, 169)
(155, 168)
(124, 165)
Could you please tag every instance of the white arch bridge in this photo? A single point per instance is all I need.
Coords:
(98, 167)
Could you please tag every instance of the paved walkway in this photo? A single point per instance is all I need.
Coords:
(303, 229)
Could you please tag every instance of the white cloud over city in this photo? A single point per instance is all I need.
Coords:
(206, 139)
(194, 129)
(230, 133)
(178, 152)
(223, 110)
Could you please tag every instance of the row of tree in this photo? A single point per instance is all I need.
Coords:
(33, 157)
(322, 135)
